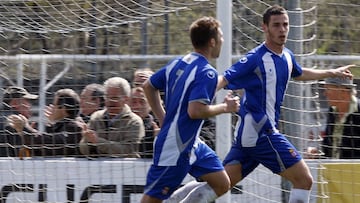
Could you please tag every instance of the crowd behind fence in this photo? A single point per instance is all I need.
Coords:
(67, 75)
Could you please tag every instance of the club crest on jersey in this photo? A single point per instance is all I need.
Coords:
(243, 60)
(165, 190)
(211, 74)
(292, 152)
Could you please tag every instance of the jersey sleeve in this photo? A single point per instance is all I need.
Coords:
(237, 75)
(204, 85)
(158, 79)
(296, 70)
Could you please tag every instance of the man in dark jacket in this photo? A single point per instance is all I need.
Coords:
(63, 132)
(342, 133)
(17, 101)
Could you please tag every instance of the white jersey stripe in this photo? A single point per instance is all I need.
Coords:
(271, 78)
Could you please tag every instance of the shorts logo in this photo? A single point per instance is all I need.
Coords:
(292, 152)
(165, 190)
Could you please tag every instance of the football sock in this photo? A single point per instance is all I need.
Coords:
(183, 191)
(299, 196)
(201, 194)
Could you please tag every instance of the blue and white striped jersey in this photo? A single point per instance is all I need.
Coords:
(264, 76)
(184, 80)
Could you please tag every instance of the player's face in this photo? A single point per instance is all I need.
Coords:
(219, 42)
(277, 30)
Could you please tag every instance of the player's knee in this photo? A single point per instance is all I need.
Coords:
(222, 188)
(308, 182)
(304, 182)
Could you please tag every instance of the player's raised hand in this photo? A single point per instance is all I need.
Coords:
(343, 71)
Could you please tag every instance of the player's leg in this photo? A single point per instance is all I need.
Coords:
(148, 199)
(218, 181)
(239, 163)
(300, 177)
(207, 168)
(232, 166)
(183, 191)
(216, 184)
(282, 158)
(162, 181)
(234, 173)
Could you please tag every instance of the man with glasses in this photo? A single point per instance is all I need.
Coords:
(115, 130)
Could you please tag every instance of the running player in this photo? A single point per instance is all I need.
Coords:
(189, 83)
(264, 74)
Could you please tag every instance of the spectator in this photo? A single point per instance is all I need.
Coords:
(91, 100)
(115, 130)
(63, 132)
(141, 107)
(140, 75)
(342, 133)
(17, 100)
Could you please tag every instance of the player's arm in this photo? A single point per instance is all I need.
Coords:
(198, 110)
(316, 74)
(154, 100)
(222, 82)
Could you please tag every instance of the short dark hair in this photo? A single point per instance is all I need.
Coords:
(69, 99)
(273, 10)
(97, 92)
(202, 30)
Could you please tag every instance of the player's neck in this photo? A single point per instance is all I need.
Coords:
(276, 48)
(204, 52)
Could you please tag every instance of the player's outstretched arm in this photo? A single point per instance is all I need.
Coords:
(315, 74)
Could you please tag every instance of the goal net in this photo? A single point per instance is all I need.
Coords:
(48, 45)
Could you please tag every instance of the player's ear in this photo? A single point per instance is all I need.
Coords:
(264, 27)
(212, 42)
